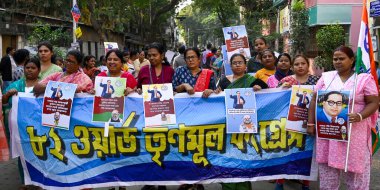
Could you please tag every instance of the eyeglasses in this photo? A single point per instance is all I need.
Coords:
(332, 103)
(68, 62)
(237, 63)
(190, 58)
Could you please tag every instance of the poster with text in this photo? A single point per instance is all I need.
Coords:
(58, 99)
(110, 45)
(241, 110)
(236, 39)
(331, 114)
(108, 100)
(158, 105)
(298, 108)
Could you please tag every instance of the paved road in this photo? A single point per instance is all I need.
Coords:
(10, 180)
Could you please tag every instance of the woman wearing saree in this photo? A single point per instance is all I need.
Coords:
(192, 78)
(72, 75)
(239, 79)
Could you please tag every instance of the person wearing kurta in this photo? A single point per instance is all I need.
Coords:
(268, 59)
(71, 75)
(192, 78)
(45, 53)
(114, 64)
(240, 80)
(282, 70)
(331, 155)
(25, 84)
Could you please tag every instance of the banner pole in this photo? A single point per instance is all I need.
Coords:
(350, 125)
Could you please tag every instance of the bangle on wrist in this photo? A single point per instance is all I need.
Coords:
(310, 124)
(360, 115)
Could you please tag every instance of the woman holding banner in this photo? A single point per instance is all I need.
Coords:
(158, 71)
(282, 70)
(331, 155)
(114, 64)
(192, 78)
(301, 74)
(32, 69)
(240, 79)
(71, 75)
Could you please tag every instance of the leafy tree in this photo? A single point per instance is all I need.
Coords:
(299, 32)
(44, 32)
(328, 38)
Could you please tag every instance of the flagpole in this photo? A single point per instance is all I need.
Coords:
(74, 24)
(350, 125)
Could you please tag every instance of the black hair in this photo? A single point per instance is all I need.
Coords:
(125, 53)
(214, 50)
(325, 97)
(101, 58)
(20, 56)
(182, 49)
(209, 45)
(34, 60)
(77, 54)
(118, 53)
(238, 55)
(286, 55)
(160, 48)
(86, 59)
(302, 56)
(260, 38)
(195, 49)
(47, 44)
(270, 51)
(348, 51)
(133, 53)
(58, 59)
(9, 49)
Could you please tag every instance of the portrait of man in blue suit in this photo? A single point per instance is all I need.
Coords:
(332, 106)
(57, 92)
(155, 95)
(303, 100)
(238, 100)
(108, 89)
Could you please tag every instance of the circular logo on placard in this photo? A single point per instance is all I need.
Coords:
(118, 83)
(340, 121)
(164, 87)
(247, 93)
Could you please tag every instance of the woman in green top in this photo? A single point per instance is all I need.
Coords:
(45, 53)
(25, 84)
(240, 79)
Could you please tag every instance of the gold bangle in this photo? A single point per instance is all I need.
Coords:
(360, 115)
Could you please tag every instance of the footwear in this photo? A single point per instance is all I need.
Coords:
(305, 187)
(279, 186)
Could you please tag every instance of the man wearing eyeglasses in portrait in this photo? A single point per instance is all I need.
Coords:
(332, 105)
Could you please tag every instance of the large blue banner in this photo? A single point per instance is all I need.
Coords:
(197, 150)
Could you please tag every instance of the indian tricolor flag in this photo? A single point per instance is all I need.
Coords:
(365, 63)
